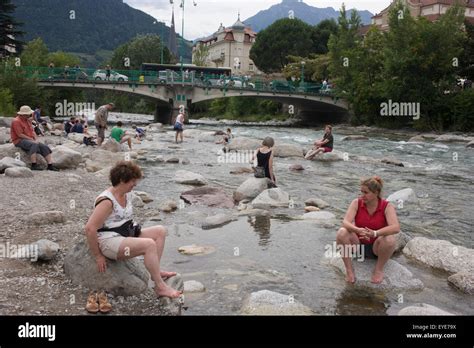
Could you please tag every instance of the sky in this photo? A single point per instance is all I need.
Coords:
(205, 18)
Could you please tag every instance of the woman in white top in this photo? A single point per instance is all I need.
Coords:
(113, 209)
(178, 126)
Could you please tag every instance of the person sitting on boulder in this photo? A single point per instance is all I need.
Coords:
(69, 124)
(24, 137)
(264, 157)
(112, 234)
(322, 146)
(370, 222)
(119, 135)
(140, 133)
(78, 127)
(226, 138)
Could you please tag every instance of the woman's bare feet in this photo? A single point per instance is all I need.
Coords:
(377, 277)
(165, 275)
(166, 291)
(350, 277)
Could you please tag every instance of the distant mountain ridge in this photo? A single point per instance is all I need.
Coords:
(93, 26)
(309, 14)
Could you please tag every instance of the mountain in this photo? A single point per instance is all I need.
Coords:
(86, 26)
(309, 14)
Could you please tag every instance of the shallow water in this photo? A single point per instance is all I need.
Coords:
(287, 256)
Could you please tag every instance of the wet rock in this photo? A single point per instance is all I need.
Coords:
(47, 217)
(196, 250)
(318, 215)
(8, 162)
(316, 202)
(423, 309)
(241, 143)
(185, 161)
(392, 161)
(267, 302)
(137, 201)
(354, 137)
(334, 156)
(401, 239)
(440, 254)
(146, 198)
(189, 178)
(208, 196)
(168, 206)
(405, 195)
(296, 167)
(217, 221)
(250, 188)
(451, 138)
(396, 276)
(172, 160)
(464, 281)
(192, 286)
(19, 172)
(287, 150)
(9, 150)
(310, 209)
(271, 198)
(470, 144)
(241, 170)
(416, 139)
(121, 278)
(65, 158)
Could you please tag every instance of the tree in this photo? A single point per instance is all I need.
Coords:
(61, 59)
(35, 53)
(142, 49)
(283, 38)
(321, 34)
(200, 55)
(8, 30)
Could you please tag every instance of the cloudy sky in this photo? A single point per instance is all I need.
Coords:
(204, 19)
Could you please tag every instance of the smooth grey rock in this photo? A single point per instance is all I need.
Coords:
(146, 198)
(208, 196)
(168, 206)
(196, 250)
(318, 215)
(287, 150)
(271, 198)
(18, 172)
(65, 158)
(137, 201)
(193, 286)
(189, 178)
(47, 217)
(250, 188)
(334, 156)
(316, 202)
(464, 281)
(241, 143)
(217, 221)
(267, 302)
(405, 195)
(8, 162)
(423, 309)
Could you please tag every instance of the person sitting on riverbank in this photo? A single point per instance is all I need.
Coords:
(112, 234)
(370, 222)
(78, 127)
(69, 124)
(179, 127)
(140, 133)
(119, 135)
(324, 145)
(264, 157)
(24, 137)
(226, 138)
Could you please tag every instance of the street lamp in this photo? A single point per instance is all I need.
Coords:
(182, 5)
(303, 63)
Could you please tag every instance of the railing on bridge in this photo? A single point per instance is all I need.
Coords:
(74, 74)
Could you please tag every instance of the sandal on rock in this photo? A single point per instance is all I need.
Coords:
(104, 305)
(92, 305)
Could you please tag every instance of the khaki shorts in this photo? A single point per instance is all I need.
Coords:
(109, 244)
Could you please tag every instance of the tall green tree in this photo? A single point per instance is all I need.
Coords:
(35, 53)
(9, 32)
(283, 38)
(200, 55)
(321, 34)
(142, 49)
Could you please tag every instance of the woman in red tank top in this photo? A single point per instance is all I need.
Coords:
(370, 222)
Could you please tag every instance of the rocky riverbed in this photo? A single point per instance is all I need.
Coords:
(242, 249)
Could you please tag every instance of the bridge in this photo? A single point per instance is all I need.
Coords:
(308, 100)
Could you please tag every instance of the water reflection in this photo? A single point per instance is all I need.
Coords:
(261, 225)
(361, 302)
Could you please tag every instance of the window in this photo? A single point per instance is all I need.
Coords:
(251, 67)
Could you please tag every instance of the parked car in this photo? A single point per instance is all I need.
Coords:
(237, 82)
(101, 75)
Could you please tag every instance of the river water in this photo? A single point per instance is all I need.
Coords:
(280, 254)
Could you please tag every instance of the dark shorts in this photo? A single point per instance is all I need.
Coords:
(100, 132)
(369, 251)
(327, 149)
(178, 127)
(31, 148)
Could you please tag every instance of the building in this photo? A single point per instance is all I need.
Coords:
(230, 47)
(430, 9)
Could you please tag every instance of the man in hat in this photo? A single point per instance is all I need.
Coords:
(101, 116)
(23, 136)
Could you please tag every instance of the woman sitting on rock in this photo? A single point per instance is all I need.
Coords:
(324, 145)
(370, 223)
(264, 157)
(111, 233)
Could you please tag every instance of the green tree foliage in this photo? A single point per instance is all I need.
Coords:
(283, 38)
(467, 58)
(142, 49)
(6, 102)
(321, 34)
(60, 59)
(200, 55)
(35, 53)
(9, 32)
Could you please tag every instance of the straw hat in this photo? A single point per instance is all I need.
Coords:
(25, 110)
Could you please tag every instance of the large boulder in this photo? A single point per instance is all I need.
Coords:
(189, 178)
(405, 195)
(101, 159)
(121, 278)
(271, 198)
(111, 145)
(76, 137)
(47, 217)
(267, 302)
(209, 137)
(65, 158)
(208, 196)
(423, 309)
(18, 172)
(396, 276)
(8, 162)
(9, 150)
(440, 254)
(334, 156)
(464, 281)
(287, 150)
(244, 144)
(250, 188)
(316, 202)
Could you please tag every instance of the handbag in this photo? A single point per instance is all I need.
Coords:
(128, 229)
(259, 172)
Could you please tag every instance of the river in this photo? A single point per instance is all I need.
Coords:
(280, 254)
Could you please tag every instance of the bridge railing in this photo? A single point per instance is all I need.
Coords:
(76, 74)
